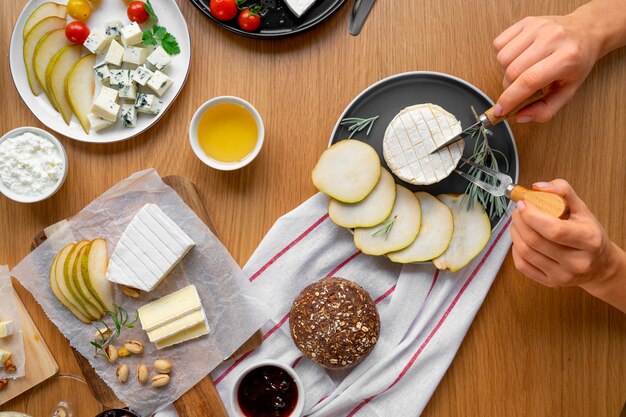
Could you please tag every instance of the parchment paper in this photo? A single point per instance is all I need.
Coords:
(9, 311)
(233, 313)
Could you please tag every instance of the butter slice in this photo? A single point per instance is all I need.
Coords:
(184, 336)
(6, 328)
(169, 308)
(4, 356)
(176, 326)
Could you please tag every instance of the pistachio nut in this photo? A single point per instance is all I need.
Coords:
(142, 374)
(111, 352)
(162, 366)
(160, 380)
(122, 373)
(134, 346)
(131, 292)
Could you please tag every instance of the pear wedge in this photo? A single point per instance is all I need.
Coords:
(30, 44)
(79, 89)
(370, 211)
(46, 49)
(47, 9)
(435, 233)
(57, 269)
(94, 265)
(472, 230)
(347, 171)
(60, 65)
(81, 286)
(68, 266)
(397, 232)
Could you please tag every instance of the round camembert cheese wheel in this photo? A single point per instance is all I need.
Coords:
(413, 134)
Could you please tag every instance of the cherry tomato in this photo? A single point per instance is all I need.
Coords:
(137, 12)
(79, 9)
(224, 9)
(249, 19)
(76, 32)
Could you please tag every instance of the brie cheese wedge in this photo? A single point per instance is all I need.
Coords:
(184, 336)
(150, 247)
(299, 7)
(413, 134)
(176, 326)
(169, 308)
(6, 328)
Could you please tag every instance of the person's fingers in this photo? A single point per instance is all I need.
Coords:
(529, 57)
(514, 48)
(527, 269)
(564, 232)
(536, 241)
(535, 258)
(533, 79)
(565, 190)
(510, 33)
(544, 110)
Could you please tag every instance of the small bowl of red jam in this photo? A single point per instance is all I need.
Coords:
(268, 389)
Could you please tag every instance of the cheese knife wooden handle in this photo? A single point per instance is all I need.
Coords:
(494, 120)
(553, 204)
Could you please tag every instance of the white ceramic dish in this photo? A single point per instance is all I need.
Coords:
(297, 411)
(193, 133)
(169, 16)
(20, 198)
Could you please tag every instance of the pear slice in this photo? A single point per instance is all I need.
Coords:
(347, 171)
(81, 286)
(56, 73)
(435, 233)
(402, 226)
(56, 270)
(472, 230)
(372, 210)
(47, 9)
(68, 266)
(79, 89)
(46, 49)
(94, 265)
(30, 44)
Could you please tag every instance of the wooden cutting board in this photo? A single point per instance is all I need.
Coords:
(40, 364)
(203, 399)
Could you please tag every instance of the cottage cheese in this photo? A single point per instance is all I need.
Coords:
(30, 164)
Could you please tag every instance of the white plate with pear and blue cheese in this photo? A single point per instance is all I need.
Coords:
(100, 70)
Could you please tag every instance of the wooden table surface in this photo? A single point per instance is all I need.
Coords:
(531, 351)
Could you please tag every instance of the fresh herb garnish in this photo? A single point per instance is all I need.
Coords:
(357, 124)
(148, 6)
(485, 155)
(159, 35)
(121, 320)
(385, 228)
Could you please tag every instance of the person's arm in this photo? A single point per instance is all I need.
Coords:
(572, 252)
(556, 50)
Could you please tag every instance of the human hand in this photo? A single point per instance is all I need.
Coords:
(540, 51)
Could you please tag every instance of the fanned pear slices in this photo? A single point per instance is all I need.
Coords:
(347, 171)
(46, 49)
(435, 233)
(472, 231)
(31, 41)
(79, 89)
(45, 10)
(397, 232)
(372, 210)
(59, 67)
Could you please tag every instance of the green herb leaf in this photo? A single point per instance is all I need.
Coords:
(170, 44)
(356, 124)
(385, 228)
(148, 6)
(121, 320)
(147, 38)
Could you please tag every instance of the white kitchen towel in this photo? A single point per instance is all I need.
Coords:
(424, 313)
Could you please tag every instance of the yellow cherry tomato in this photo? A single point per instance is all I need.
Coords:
(79, 9)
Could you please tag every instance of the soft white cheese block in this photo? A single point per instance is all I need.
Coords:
(135, 55)
(119, 77)
(4, 356)
(96, 41)
(184, 336)
(6, 328)
(169, 308)
(131, 34)
(113, 28)
(141, 75)
(115, 54)
(98, 123)
(128, 116)
(150, 247)
(104, 106)
(412, 135)
(159, 83)
(128, 91)
(148, 103)
(102, 71)
(176, 326)
(299, 7)
(159, 59)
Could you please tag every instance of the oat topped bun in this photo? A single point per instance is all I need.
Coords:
(334, 322)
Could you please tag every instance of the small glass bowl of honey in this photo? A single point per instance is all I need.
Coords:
(226, 133)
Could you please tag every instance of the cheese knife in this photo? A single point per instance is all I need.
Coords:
(489, 119)
(360, 11)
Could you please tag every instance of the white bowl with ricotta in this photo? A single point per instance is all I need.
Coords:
(33, 165)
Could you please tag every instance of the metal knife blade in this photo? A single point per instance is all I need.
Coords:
(360, 11)
(458, 137)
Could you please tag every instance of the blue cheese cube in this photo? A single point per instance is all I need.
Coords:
(135, 55)
(159, 58)
(114, 54)
(120, 77)
(96, 41)
(148, 103)
(108, 93)
(141, 75)
(98, 123)
(159, 83)
(131, 34)
(102, 71)
(128, 91)
(105, 109)
(113, 29)
(129, 115)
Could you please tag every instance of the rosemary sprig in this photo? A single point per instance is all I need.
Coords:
(357, 124)
(385, 228)
(121, 320)
(485, 155)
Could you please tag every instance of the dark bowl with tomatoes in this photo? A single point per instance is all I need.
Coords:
(265, 19)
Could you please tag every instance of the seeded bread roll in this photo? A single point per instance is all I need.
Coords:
(334, 322)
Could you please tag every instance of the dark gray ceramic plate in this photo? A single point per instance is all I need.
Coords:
(387, 97)
(277, 21)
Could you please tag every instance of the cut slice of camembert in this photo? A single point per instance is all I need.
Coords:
(413, 134)
(299, 7)
(150, 247)
(169, 308)
(6, 328)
